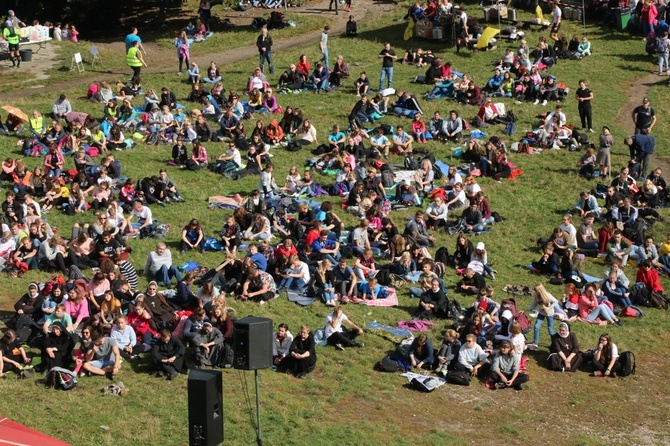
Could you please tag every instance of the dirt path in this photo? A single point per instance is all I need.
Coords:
(162, 61)
(638, 91)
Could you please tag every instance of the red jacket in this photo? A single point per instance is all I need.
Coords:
(482, 111)
(649, 278)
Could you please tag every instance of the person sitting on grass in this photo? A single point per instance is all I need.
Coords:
(303, 353)
(431, 300)
(167, 355)
(472, 359)
(126, 339)
(372, 290)
(565, 354)
(421, 353)
(192, 237)
(649, 276)
(12, 356)
(448, 353)
(282, 340)
(104, 358)
(591, 309)
(208, 345)
(505, 369)
(339, 336)
(297, 275)
(606, 358)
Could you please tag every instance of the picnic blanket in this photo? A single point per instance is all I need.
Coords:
(416, 325)
(391, 300)
(397, 332)
(404, 175)
(300, 298)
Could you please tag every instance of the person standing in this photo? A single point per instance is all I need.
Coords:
(584, 95)
(641, 147)
(11, 35)
(182, 45)
(205, 13)
(556, 17)
(323, 46)
(644, 117)
(663, 49)
(134, 59)
(133, 37)
(14, 21)
(330, 6)
(264, 44)
(388, 56)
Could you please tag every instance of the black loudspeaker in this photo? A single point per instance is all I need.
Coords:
(205, 408)
(252, 343)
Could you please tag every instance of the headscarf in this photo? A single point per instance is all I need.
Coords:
(567, 327)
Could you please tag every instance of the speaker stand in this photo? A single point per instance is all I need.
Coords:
(259, 441)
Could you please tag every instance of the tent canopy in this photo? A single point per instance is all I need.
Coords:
(15, 434)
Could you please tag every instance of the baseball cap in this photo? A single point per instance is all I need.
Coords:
(480, 246)
(645, 100)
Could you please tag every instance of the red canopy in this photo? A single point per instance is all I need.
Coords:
(15, 434)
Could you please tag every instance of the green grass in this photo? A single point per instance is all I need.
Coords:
(344, 399)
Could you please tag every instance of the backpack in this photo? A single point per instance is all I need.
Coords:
(12, 31)
(640, 295)
(511, 117)
(360, 172)
(437, 172)
(627, 361)
(61, 379)
(510, 128)
(458, 377)
(383, 277)
(388, 365)
(509, 304)
(388, 180)
(442, 255)
(466, 124)
(658, 300)
(662, 46)
(227, 356)
(411, 163)
(524, 322)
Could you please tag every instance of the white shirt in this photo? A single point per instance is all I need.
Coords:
(280, 348)
(143, 215)
(237, 157)
(303, 269)
(338, 327)
(557, 15)
(472, 189)
(456, 179)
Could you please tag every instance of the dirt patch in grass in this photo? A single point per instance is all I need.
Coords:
(636, 93)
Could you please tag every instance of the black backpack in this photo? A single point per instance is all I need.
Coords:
(388, 179)
(511, 117)
(627, 361)
(640, 295)
(411, 163)
(387, 364)
(442, 255)
(458, 377)
(383, 277)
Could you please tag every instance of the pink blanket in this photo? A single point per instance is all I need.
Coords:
(416, 325)
(390, 301)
